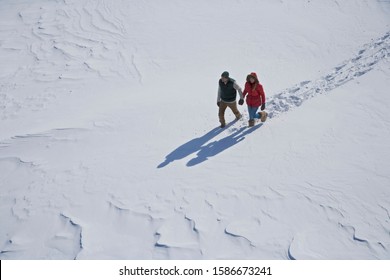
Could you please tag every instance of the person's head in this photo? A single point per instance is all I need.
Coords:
(252, 78)
(225, 76)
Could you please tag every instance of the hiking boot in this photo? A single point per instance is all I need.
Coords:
(222, 125)
(238, 117)
(263, 116)
(251, 123)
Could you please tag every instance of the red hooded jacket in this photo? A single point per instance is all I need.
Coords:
(256, 96)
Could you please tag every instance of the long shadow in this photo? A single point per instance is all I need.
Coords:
(192, 146)
(214, 148)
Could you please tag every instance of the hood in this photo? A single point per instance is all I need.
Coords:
(253, 74)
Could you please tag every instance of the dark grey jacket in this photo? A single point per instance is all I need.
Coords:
(228, 92)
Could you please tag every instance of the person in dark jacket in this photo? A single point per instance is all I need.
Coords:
(227, 95)
(255, 98)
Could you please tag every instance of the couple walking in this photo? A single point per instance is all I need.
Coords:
(227, 94)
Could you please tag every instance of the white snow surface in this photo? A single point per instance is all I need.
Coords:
(110, 146)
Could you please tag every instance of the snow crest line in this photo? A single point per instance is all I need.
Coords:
(359, 65)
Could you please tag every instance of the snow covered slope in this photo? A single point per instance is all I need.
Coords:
(109, 139)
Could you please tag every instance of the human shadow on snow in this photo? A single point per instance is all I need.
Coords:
(214, 148)
(204, 152)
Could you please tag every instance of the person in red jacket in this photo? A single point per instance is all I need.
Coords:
(255, 98)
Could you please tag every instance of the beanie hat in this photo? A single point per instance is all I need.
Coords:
(225, 74)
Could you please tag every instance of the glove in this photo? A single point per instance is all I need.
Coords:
(218, 103)
(262, 107)
(241, 101)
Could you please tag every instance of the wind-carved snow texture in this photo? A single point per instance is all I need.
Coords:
(363, 62)
(70, 42)
(62, 235)
(63, 47)
(71, 234)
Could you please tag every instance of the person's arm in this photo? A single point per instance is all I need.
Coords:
(219, 94)
(245, 92)
(262, 96)
(238, 88)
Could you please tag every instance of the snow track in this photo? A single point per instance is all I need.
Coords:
(363, 62)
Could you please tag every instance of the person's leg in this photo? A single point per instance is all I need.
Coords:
(255, 114)
(252, 111)
(233, 107)
(263, 116)
(221, 113)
